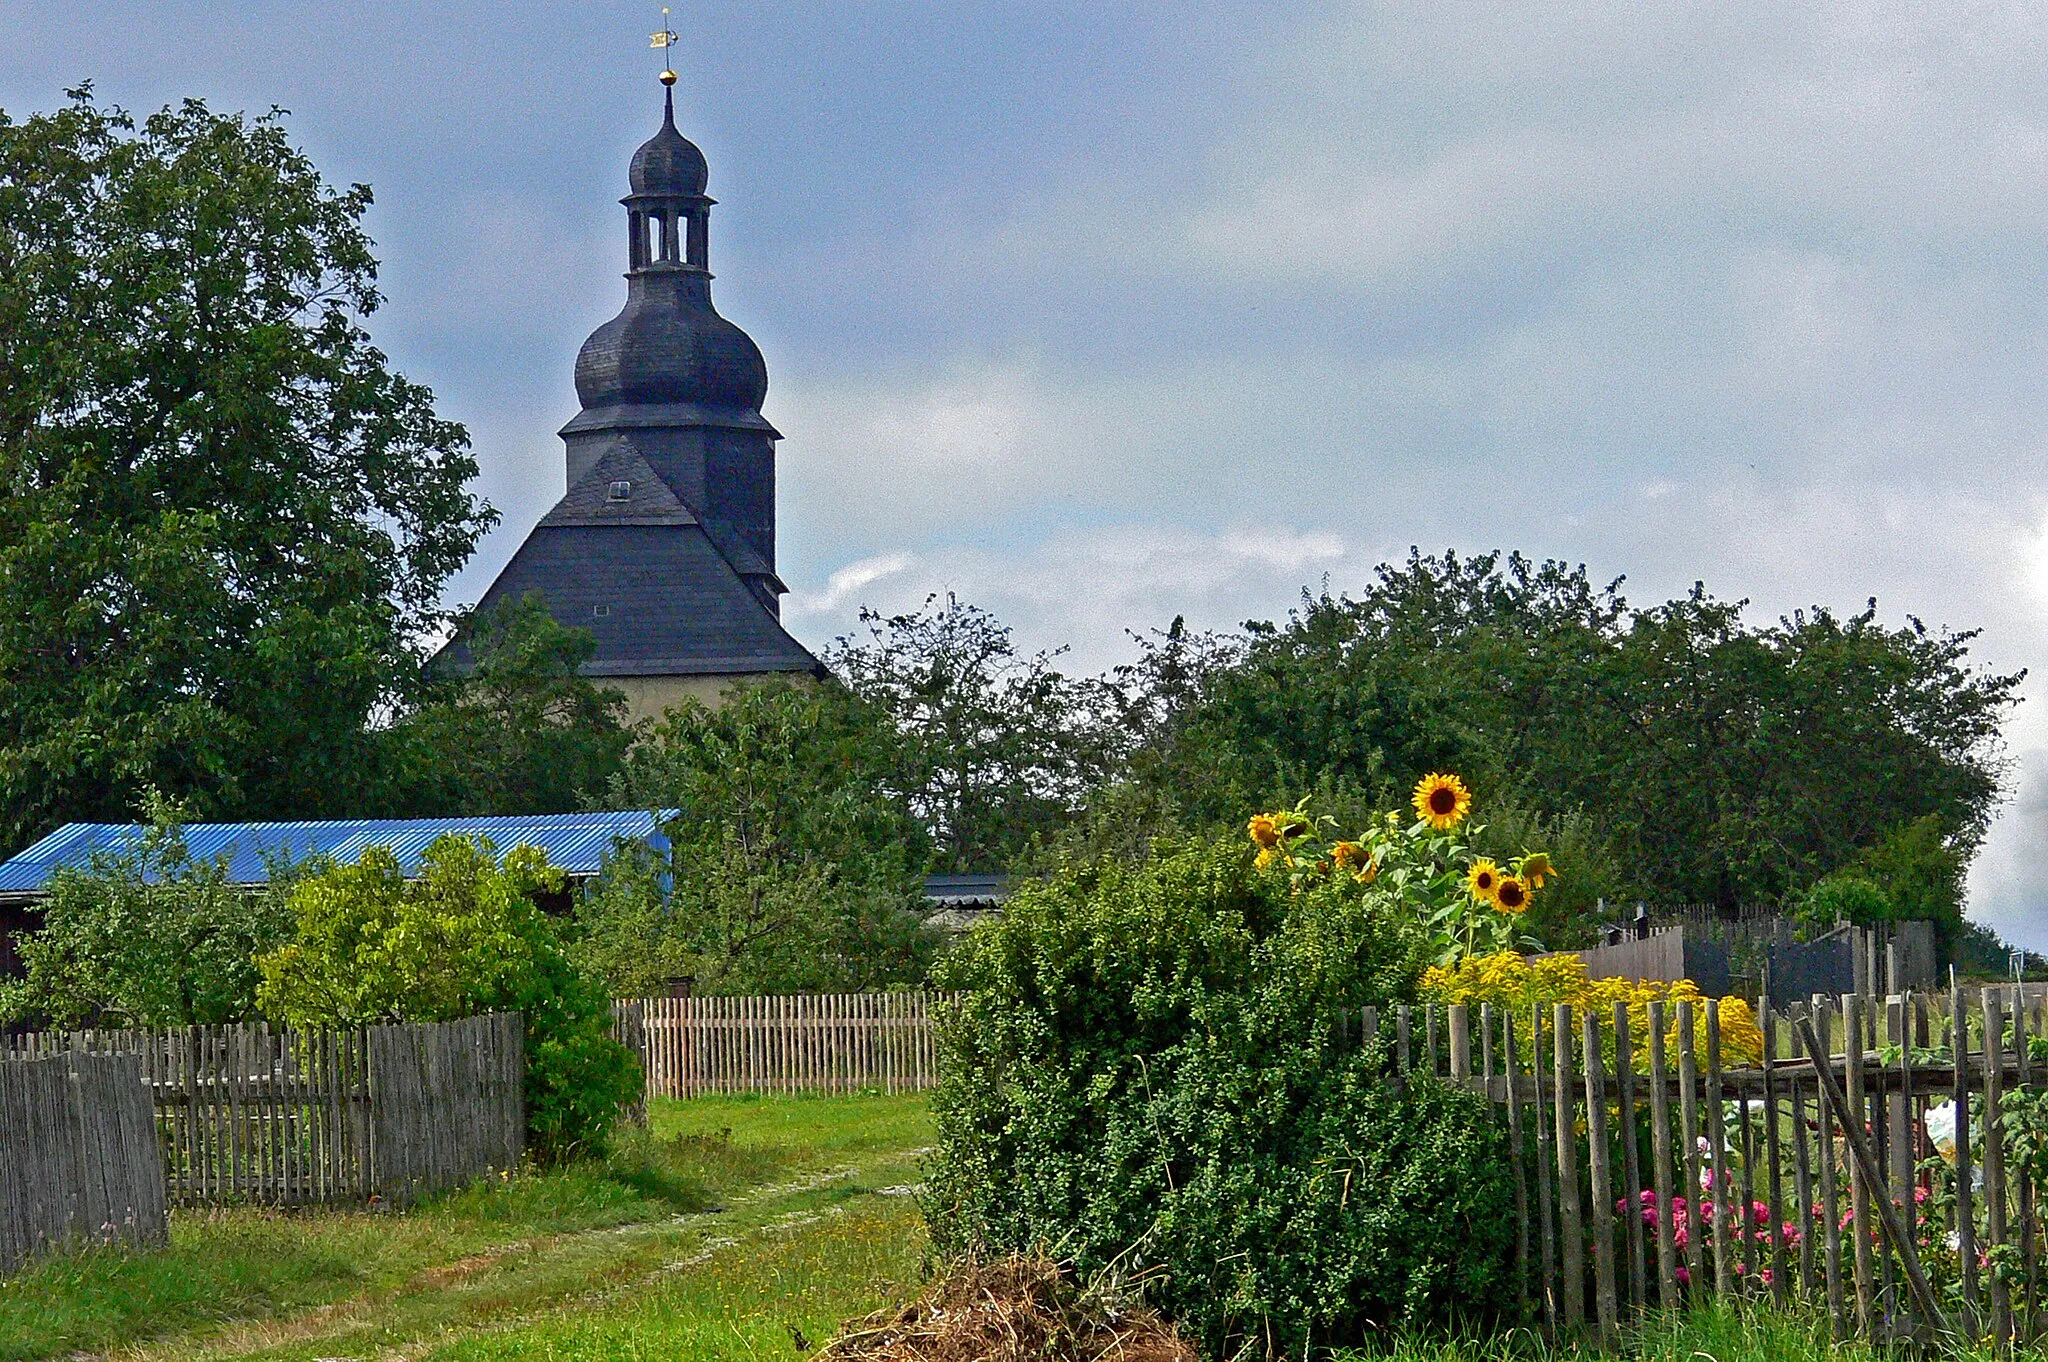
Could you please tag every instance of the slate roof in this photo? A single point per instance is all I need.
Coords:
(576, 842)
(648, 500)
(671, 605)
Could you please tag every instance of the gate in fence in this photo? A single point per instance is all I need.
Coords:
(1882, 1159)
(247, 1114)
(835, 1042)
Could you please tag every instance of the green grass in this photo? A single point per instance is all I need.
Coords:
(247, 1282)
(1718, 1333)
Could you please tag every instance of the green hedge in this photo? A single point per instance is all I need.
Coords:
(1144, 1071)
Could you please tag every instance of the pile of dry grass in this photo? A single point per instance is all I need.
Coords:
(1014, 1309)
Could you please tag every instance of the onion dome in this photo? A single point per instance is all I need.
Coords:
(668, 162)
(669, 346)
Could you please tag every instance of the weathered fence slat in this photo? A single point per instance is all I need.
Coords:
(81, 1162)
(1600, 1183)
(1571, 1220)
(1660, 1154)
(243, 1113)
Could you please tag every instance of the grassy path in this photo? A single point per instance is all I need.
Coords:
(738, 1229)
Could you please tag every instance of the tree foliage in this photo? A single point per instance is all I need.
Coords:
(791, 864)
(227, 520)
(518, 731)
(994, 748)
(464, 937)
(1721, 762)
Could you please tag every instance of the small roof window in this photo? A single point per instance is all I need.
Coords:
(600, 611)
(621, 490)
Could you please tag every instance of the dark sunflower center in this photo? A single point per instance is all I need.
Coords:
(1511, 895)
(1485, 880)
(1442, 800)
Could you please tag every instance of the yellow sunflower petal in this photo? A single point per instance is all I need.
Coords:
(1441, 800)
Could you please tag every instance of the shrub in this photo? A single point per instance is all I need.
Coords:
(1846, 896)
(464, 937)
(1144, 1070)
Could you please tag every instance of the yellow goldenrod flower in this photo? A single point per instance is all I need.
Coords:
(1511, 896)
(1441, 801)
(1265, 830)
(1483, 880)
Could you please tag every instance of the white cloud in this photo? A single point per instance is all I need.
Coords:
(851, 584)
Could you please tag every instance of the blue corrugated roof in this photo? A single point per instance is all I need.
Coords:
(577, 842)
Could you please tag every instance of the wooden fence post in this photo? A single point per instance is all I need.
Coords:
(1571, 1223)
(1631, 1161)
(1600, 1183)
(1866, 1172)
(1540, 1118)
(1661, 1164)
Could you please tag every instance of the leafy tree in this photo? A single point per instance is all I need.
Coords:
(791, 865)
(1720, 762)
(1981, 953)
(1912, 873)
(146, 935)
(519, 730)
(994, 748)
(227, 521)
(463, 937)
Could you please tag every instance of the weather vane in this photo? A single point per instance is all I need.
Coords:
(664, 40)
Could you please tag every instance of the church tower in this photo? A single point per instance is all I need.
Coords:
(664, 547)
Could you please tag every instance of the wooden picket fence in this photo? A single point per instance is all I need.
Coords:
(245, 1113)
(78, 1156)
(831, 1043)
(1813, 1175)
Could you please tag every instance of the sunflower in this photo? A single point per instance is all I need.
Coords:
(1266, 858)
(1441, 801)
(1512, 895)
(1483, 880)
(1368, 872)
(1265, 830)
(1536, 868)
(1345, 853)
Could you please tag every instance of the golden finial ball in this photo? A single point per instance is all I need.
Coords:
(668, 78)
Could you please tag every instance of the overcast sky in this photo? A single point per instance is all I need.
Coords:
(1097, 314)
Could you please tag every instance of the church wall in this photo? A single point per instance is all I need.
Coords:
(647, 697)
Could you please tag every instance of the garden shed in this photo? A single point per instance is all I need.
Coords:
(576, 842)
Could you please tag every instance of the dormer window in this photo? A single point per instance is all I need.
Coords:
(620, 490)
(600, 611)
